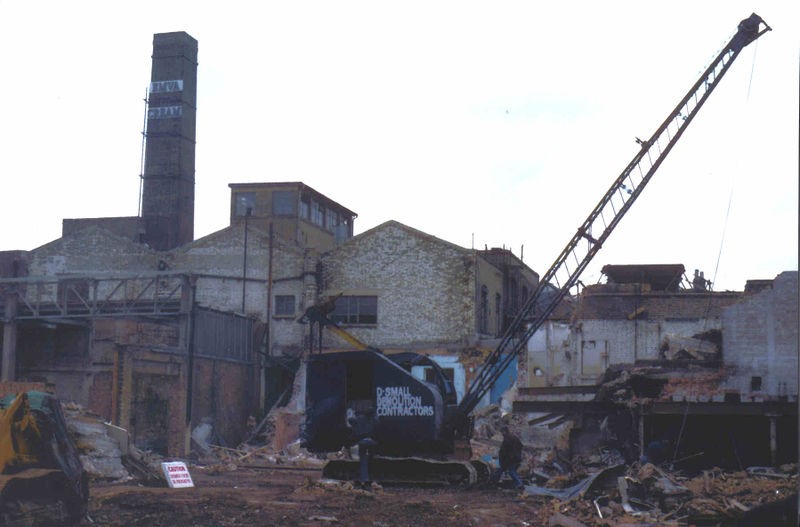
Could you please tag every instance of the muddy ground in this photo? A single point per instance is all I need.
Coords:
(299, 497)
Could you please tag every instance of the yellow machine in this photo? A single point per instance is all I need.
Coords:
(42, 481)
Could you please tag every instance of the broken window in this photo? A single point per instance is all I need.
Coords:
(356, 310)
(284, 305)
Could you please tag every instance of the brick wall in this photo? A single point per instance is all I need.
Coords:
(760, 338)
(425, 286)
(91, 251)
(224, 392)
(219, 259)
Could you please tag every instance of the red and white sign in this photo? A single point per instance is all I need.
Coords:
(177, 474)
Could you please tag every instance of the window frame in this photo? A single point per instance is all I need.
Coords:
(243, 201)
(284, 203)
(277, 312)
(356, 310)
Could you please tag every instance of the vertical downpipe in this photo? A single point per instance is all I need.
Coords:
(188, 308)
(268, 337)
(244, 259)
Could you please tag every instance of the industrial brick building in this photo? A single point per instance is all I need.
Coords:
(156, 331)
(401, 289)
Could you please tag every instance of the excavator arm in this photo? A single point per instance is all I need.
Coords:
(563, 274)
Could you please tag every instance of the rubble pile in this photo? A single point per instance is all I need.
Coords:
(649, 495)
(489, 421)
(104, 456)
(636, 384)
(100, 454)
(293, 455)
(696, 385)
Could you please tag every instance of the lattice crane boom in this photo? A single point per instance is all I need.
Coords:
(567, 268)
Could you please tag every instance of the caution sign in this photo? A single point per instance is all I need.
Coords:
(177, 474)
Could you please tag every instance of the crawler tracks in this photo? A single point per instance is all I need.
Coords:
(413, 471)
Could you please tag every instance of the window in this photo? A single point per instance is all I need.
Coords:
(284, 305)
(356, 310)
(243, 202)
(331, 219)
(483, 316)
(498, 314)
(305, 208)
(284, 203)
(317, 213)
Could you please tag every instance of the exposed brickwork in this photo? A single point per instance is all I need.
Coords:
(100, 394)
(760, 338)
(425, 286)
(655, 305)
(219, 260)
(224, 394)
(90, 251)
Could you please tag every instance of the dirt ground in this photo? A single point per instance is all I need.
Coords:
(291, 497)
(255, 497)
(264, 497)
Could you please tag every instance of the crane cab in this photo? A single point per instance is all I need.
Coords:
(411, 413)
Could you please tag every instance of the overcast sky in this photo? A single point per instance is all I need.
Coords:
(482, 123)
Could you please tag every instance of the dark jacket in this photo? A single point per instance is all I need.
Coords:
(510, 452)
(363, 426)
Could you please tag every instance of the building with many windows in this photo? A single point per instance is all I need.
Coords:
(296, 212)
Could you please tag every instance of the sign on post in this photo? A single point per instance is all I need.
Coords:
(177, 474)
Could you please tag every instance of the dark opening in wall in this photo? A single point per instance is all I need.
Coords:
(731, 442)
(755, 384)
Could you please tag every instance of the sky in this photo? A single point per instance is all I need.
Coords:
(486, 124)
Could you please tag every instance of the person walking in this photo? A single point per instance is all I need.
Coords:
(509, 456)
(363, 430)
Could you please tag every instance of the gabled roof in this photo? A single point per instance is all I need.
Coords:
(410, 230)
(235, 231)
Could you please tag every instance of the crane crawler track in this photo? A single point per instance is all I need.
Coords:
(413, 471)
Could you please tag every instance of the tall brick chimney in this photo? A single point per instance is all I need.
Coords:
(168, 179)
